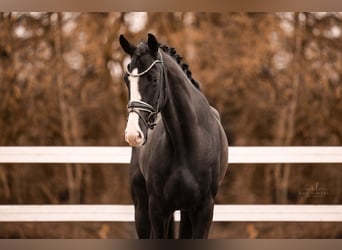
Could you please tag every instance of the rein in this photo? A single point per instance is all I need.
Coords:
(138, 106)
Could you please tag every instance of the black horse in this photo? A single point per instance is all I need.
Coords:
(180, 150)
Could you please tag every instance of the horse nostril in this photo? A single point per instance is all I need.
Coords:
(135, 138)
(139, 135)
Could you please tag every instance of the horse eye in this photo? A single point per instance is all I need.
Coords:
(153, 79)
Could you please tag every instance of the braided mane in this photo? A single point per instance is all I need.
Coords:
(185, 67)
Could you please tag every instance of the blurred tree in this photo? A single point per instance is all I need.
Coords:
(274, 77)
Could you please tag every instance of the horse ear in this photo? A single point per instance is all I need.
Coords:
(152, 43)
(126, 46)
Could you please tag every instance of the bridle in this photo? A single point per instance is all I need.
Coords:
(138, 106)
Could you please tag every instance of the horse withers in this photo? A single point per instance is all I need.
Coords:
(180, 150)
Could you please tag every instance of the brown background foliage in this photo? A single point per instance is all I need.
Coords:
(274, 77)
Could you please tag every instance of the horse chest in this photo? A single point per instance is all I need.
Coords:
(180, 183)
(177, 185)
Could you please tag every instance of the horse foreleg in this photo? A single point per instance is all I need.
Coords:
(142, 221)
(171, 227)
(185, 231)
(160, 220)
(140, 200)
(202, 218)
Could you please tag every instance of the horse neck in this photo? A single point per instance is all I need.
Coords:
(179, 113)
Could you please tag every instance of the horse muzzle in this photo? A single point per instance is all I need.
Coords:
(135, 139)
(133, 134)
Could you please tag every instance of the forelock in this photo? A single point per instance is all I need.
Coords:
(142, 49)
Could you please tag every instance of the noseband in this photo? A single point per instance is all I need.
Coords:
(138, 106)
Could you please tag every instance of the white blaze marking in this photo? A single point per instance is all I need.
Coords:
(134, 86)
(133, 129)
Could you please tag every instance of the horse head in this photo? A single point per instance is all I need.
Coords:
(145, 79)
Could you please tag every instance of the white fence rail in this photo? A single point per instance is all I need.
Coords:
(125, 213)
(121, 155)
